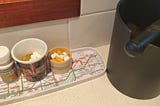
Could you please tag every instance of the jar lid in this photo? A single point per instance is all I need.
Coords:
(4, 55)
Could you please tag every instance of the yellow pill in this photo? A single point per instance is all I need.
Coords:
(59, 59)
(59, 52)
(27, 57)
(53, 60)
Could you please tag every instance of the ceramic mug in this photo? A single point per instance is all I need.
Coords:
(34, 70)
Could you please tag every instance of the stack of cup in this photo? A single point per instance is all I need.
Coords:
(8, 71)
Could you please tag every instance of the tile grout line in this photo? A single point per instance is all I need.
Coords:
(69, 34)
(99, 12)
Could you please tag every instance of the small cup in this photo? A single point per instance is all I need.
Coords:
(60, 67)
(34, 70)
(4, 55)
(9, 73)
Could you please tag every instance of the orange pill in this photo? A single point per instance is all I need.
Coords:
(59, 52)
(59, 59)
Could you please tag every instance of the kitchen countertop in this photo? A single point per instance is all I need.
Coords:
(96, 92)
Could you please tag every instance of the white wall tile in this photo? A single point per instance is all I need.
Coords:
(93, 6)
(91, 30)
(54, 33)
(87, 30)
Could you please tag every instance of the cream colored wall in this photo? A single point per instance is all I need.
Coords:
(93, 28)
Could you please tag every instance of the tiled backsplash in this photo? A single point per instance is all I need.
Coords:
(93, 28)
(54, 33)
(94, 6)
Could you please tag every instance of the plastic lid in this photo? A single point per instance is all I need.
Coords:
(4, 55)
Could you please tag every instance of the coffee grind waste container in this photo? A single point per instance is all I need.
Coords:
(134, 59)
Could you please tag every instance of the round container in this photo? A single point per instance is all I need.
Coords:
(139, 76)
(34, 70)
(9, 73)
(60, 67)
(4, 55)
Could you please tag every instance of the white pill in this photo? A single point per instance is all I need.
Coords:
(64, 53)
(56, 54)
(33, 56)
(61, 56)
(66, 58)
(37, 54)
(53, 56)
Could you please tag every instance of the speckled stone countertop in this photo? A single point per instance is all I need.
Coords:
(96, 92)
